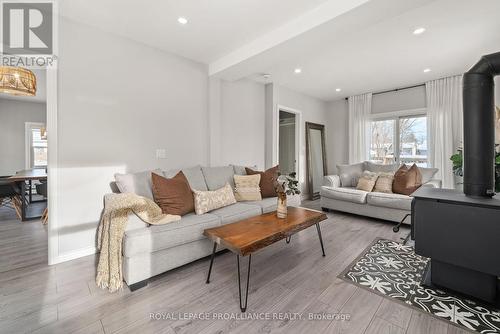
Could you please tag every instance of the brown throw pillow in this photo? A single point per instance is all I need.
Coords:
(407, 180)
(266, 181)
(173, 196)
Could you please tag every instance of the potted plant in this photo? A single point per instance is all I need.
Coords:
(457, 160)
(285, 185)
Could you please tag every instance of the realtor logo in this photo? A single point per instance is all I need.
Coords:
(27, 28)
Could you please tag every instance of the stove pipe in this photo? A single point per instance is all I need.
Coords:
(479, 127)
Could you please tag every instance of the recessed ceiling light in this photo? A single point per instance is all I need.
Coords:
(418, 31)
(338, 89)
(182, 20)
(427, 70)
(298, 70)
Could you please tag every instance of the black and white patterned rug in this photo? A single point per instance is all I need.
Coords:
(394, 270)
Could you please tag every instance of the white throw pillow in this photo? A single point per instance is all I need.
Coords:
(427, 173)
(205, 201)
(350, 174)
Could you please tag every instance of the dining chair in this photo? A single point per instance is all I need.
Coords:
(41, 189)
(9, 195)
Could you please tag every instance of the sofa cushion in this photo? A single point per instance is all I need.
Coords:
(427, 173)
(350, 174)
(393, 201)
(268, 204)
(217, 177)
(194, 176)
(380, 168)
(157, 237)
(236, 212)
(240, 170)
(136, 183)
(345, 194)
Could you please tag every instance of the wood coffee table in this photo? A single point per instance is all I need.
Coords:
(249, 235)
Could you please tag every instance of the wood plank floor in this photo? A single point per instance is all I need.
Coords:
(36, 298)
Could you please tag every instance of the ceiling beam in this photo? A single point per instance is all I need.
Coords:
(309, 20)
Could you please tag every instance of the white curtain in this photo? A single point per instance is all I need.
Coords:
(360, 108)
(445, 118)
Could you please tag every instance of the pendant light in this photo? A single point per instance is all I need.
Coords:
(17, 81)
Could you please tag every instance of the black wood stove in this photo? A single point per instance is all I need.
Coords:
(460, 232)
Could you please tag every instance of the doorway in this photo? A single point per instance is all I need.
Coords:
(23, 175)
(288, 142)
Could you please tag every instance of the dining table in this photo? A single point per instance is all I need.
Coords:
(24, 179)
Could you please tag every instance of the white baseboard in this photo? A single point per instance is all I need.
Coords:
(73, 255)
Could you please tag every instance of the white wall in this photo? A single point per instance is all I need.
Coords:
(406, 99)
(271, 119)
(338, 134)
(242, 123)
(13, 115)
(118, 101)
(248, 119)
(214, 121)
(312, 110)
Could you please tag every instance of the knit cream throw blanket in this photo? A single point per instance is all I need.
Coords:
(112, 228)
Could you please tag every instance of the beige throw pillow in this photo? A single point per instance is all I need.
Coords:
(247, 188)
(384, 183)
(367, 181)
(205, 201)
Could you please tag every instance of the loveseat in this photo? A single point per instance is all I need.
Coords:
(152, 250)
(339, 193)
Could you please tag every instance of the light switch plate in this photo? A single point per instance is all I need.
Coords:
(161, 153)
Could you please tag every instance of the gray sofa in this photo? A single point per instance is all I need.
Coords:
(339, 193)
(152, 250)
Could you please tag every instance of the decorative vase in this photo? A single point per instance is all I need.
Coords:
(282, 208)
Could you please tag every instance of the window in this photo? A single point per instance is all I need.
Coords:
(36, 138)
(413, 140)
(382, 141)
(399, 140)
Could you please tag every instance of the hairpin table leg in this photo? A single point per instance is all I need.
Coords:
(211, 263)
(320, 238)
(243, 306)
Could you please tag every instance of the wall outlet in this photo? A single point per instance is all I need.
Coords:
(161, 153)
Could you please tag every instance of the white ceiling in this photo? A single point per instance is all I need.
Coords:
(215, 28)
(372, 48)
(41, 90)
(357, 45)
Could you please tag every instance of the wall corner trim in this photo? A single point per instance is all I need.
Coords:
(73, 255)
